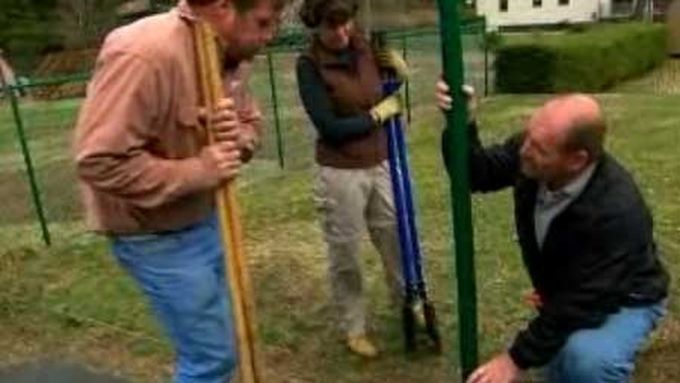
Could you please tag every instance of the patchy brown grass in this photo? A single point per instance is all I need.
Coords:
(72, 302)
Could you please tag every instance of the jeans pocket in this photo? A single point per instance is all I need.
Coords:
(144, 245)
(138, 238)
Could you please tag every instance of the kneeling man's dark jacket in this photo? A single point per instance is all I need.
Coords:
(598, 255)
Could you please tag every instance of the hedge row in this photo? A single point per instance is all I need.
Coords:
(587, 61)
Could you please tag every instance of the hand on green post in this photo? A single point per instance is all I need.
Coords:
(445, 100)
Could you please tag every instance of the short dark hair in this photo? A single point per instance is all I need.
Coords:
(244, 5)
(314, 12)
(587, 135)
(200, 2)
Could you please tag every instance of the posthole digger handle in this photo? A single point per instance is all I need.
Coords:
(414, 279)
(404, 236)
(429, 311)
(212, 90)
(389, 86)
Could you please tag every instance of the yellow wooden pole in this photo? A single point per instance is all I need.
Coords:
(212, 89)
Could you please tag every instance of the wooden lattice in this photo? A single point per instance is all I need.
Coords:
(59, 64)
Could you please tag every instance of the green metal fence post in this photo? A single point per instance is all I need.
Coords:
(486, 60)
(460, 189)
(35, 192)
(407, 84)
(275, 106)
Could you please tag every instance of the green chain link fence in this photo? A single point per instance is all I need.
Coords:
(38, 189)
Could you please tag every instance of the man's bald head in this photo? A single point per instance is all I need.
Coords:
(562, 138)
(579, 121)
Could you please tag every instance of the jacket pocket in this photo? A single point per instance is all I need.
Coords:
(191, 132)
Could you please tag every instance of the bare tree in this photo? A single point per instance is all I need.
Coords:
(643, 9)
(83, 23)
(290, 18)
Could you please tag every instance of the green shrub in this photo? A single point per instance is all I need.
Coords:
(492, 41)
(588, 61)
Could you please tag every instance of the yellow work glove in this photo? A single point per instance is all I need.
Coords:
(389, 107)
(390, 59)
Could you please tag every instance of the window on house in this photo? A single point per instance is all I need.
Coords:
(503, 5)
(563, 2)
(538, 3)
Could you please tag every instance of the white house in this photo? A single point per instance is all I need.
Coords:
(509, 13)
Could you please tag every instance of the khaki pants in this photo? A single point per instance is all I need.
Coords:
(351, 200)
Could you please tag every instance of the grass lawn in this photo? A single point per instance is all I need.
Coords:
(72, 302)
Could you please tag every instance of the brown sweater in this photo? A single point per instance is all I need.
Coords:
(138, 142)
(338, 89)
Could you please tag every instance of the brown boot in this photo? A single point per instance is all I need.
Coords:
(360, 345)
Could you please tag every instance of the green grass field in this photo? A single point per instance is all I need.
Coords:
(72, 302)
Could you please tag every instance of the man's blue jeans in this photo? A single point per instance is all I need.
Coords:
(182, 274)
(607, 353)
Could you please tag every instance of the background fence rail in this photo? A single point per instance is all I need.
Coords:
(37, 178)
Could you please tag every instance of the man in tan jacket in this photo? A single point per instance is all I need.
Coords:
(148, 174)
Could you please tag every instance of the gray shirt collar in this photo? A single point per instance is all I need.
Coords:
(549, 204)
(570, 191)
